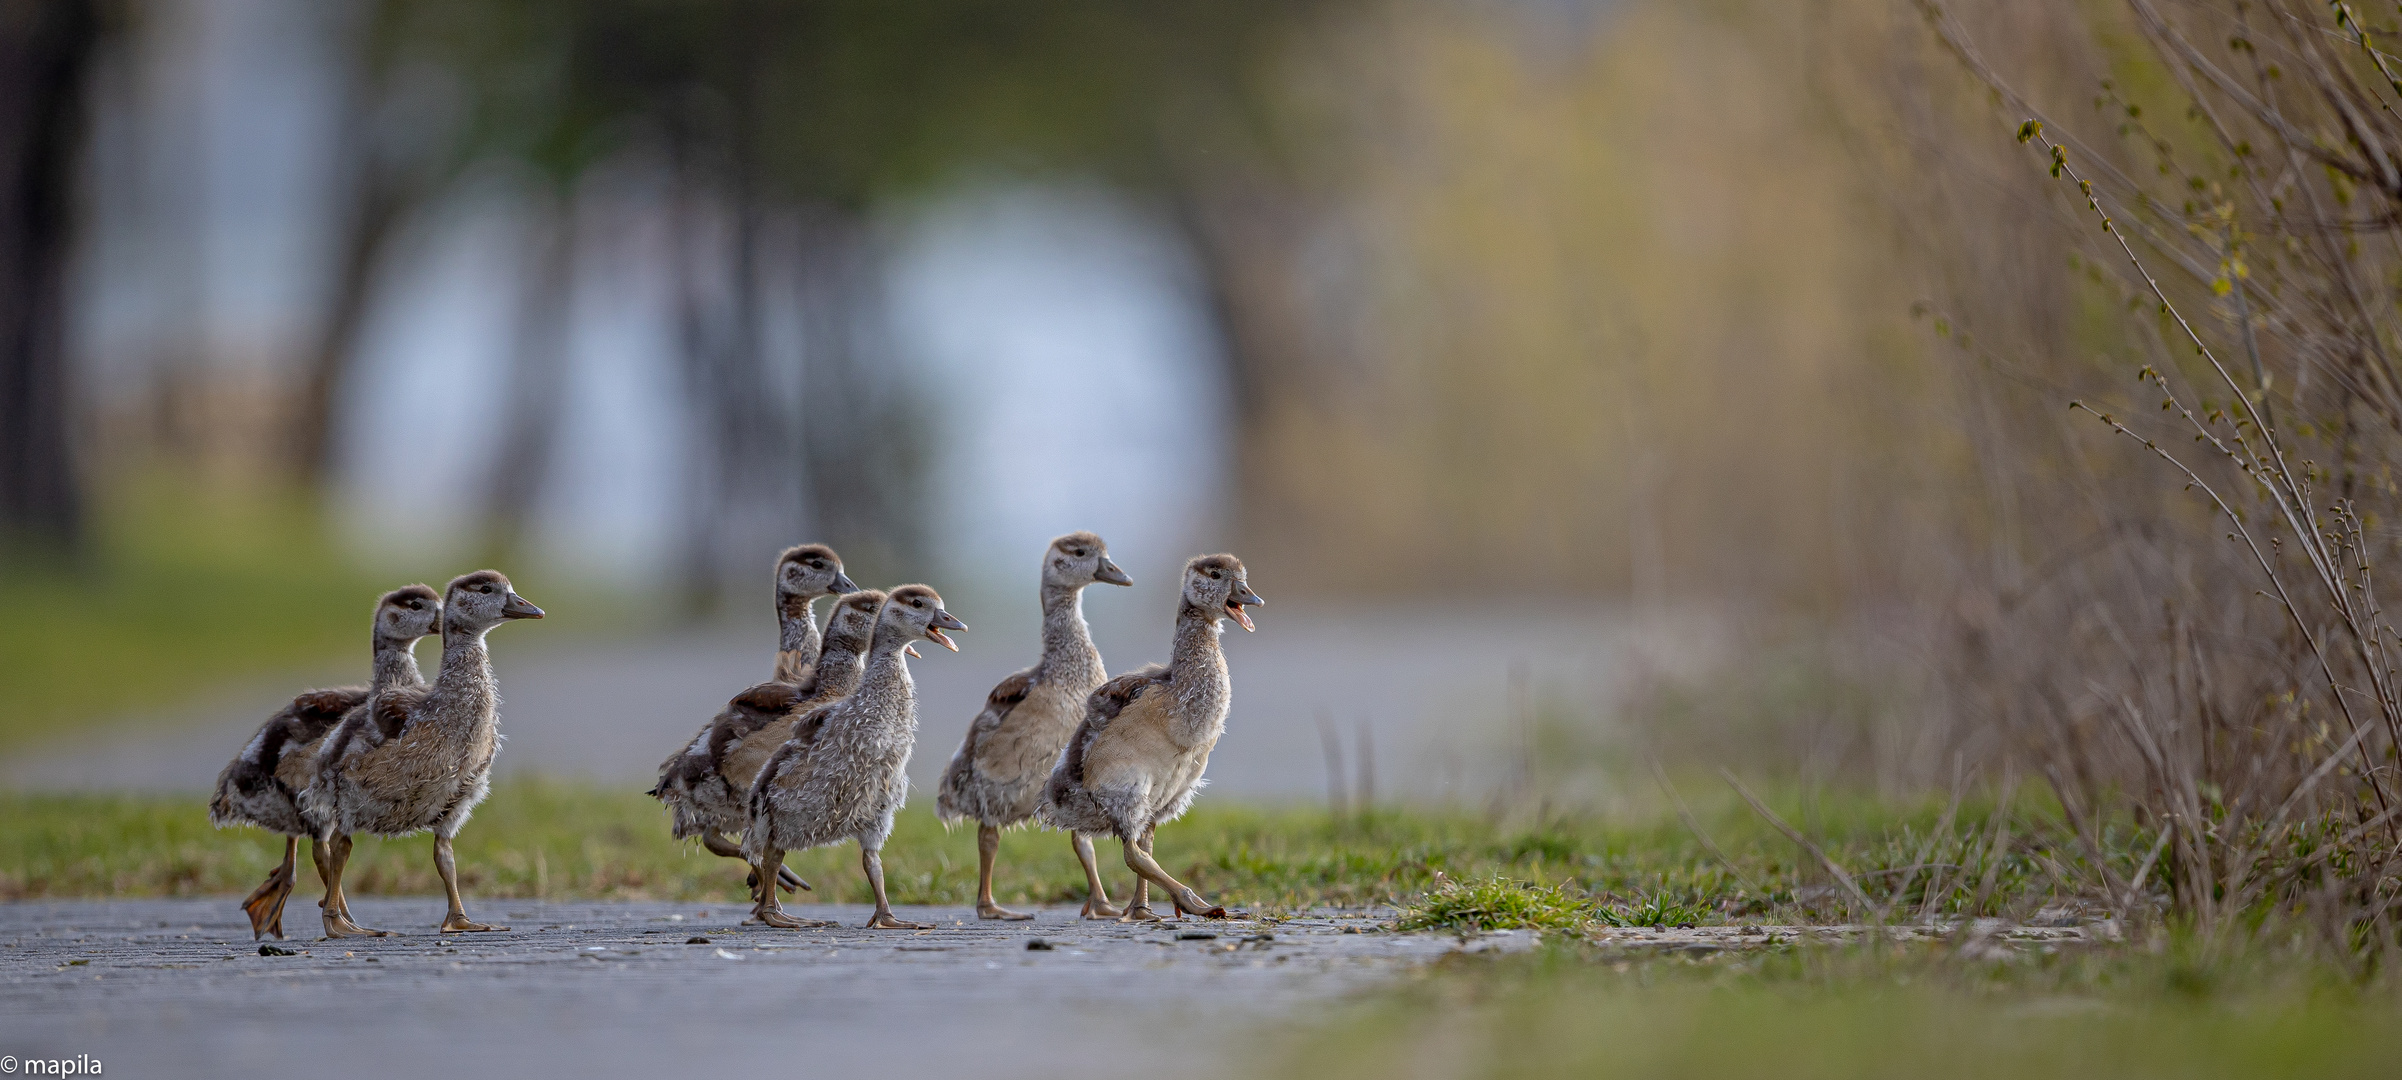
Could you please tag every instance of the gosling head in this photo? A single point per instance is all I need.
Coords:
(1079, 559)
(477, 602)
(807, 572)
(852, 624)
(408, 613)
(1219, 585)
(914, 611)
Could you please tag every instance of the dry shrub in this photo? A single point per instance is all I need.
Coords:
(2181, 625)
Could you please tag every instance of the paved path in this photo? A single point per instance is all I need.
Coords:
(176, 988)
(1430, 684)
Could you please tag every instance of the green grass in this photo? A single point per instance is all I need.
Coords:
(1497, 903)
(1794, 1012)
(537, 838)
(1859, 1012)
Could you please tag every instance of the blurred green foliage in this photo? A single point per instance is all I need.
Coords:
(188, 588)
(180, 592)
(837, 100)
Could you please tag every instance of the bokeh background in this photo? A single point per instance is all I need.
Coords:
(1581, 380)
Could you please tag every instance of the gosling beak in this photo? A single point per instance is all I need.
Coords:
(1243, 596)
(519, 607)
(911, 649)
(843, 585)
(1109, 574)
(944, 620)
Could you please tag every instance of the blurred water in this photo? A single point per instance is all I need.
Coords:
(1431, 688)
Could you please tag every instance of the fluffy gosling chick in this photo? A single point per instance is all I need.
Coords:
(261, 786)
(1138, 757)
(709, 789)
(419, 760)
(997, 776)
(844, 773)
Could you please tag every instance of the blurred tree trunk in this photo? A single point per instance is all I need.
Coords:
(698, 560)
(863, 447)
(758, 498)
(376, 199)
(1242, 236)
(529, 422)
(46, 52)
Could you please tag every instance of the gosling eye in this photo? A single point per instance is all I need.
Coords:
(1214, 575)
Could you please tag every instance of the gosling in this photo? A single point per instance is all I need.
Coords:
(998, 775)
(261, 785)
(417, 760)
(709, 789)
(844, 773)
(1138, 758)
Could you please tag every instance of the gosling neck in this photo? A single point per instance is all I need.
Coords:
(396, 662)
(1068, 649)
(1197, 631)
(465, 661)
(885, 655)
(797, 640)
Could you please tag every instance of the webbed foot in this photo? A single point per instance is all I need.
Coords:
(339, 926)
(265, 904)
(1189, 902)
(782, 920)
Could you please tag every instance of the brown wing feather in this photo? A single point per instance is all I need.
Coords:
(391, 711)
(308, 718)
(1104, 706)
(997, 706)
(804, 733)
(747, 712)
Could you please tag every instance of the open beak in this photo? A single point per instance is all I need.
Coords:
(843, 585)
(1243, 596)
(519, 607)
(1109, 574)
(944, 620)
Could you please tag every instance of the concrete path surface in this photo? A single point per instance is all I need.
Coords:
(176, 988)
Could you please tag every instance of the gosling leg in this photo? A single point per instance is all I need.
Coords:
(332, 857)
(1139, 860)
(456, 922)
(1138, 909)
(1096, 904)
(718, 844)
(872, 861)
(265, 904)
(988, 844)
(765, 909)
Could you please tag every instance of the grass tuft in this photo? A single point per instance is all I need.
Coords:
(1498, 904)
